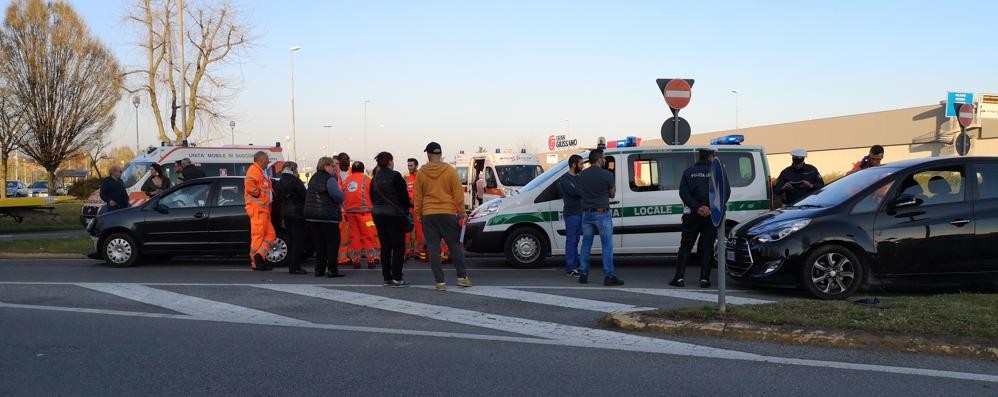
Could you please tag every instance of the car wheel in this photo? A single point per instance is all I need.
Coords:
(525, 248)
(832, 272)
(279, 255)
(120, 250)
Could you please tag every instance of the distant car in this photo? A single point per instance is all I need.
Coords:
(38, 189)
(928, 220)
(206, 216)
(16, 189)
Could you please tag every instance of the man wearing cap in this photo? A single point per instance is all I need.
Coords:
(437, 197)
(694, 190)
(596, 188)
(798, 180)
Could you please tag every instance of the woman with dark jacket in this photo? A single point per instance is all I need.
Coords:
(291, 191)
(323, 201)
(391, 208)
(157, 182)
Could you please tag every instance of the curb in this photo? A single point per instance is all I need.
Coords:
(803, 336)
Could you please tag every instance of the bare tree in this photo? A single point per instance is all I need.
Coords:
(96, 154)
(66, 82)
(11, 132)
(217, 36)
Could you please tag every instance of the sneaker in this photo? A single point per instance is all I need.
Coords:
(440, 286)
(387, 283)
(463, 282)
(583, 279)
(612, 281)
(704, 283)
(678, 283)
(573, 273)
(400, 283)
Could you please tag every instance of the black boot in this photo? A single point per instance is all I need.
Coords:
(678, 283)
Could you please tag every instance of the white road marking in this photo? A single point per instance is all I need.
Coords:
(677, 94)
(550, 300)
(697, 296)
(191, 305)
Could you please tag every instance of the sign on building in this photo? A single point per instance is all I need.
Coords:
(987, 106)
(552, 159)
(561, 142)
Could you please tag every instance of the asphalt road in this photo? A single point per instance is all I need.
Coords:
(211, 327)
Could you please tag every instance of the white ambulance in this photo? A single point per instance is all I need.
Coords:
(505, 173)
(528, 227)
(214, 161)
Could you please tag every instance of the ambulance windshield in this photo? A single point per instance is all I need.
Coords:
(518, 175)
(134, 173)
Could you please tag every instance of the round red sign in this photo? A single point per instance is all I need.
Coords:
(551, 142)
(677, 93)
(966, 115)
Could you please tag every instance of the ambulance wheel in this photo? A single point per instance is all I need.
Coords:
(525, 248)
(120, 250)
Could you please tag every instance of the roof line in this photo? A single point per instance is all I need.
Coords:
(818, 119)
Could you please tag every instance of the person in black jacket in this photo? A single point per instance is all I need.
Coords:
(190, 171)
(323, 211)
(391, 210)
(292, 193)
(694, 190)
(798, 180)
(112, 191)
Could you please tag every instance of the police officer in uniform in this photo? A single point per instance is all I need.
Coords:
(798, 180)
(694, 191)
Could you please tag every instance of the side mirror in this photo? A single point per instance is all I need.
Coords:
(905, 201)
(162, 209)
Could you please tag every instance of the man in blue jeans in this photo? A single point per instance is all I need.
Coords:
(597, 187)
(572, 213)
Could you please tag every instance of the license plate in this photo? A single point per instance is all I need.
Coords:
(730, 255)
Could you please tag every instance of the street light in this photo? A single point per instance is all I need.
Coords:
(329, 137)
(366, 101)
(736, 109)
(294, 144)
(135, 101)
(232, 125)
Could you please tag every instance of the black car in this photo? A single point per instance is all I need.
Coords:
(932, 220)
(205, 216)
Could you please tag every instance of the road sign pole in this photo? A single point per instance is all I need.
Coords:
(675, 113)
(722, 244)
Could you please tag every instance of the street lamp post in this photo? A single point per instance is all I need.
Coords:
(135, 101)
(568, 127)
(294, 143)
(366, 101)
(736, 109)
(329, 137)
(232, 125)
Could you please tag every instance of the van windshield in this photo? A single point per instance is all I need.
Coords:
(134, 172)
(843, 189)
(518, 175)
(542, 179)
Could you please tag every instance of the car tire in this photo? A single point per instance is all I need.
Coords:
(279, 256)
(120, 250)
(832, 272)
(525, 247)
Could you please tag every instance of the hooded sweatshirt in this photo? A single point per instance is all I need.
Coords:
(437, 190)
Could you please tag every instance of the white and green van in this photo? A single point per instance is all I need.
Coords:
(528, 226)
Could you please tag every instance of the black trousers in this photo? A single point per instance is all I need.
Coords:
(695, 225)
(326, 236)
(295, 227)
(391, 233)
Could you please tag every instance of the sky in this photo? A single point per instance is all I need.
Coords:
(504, 74)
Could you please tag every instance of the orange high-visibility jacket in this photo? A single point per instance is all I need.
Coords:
(258, 189)
(410, 184)
(357, 193)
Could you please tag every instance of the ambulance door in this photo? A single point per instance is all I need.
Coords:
(652, 214)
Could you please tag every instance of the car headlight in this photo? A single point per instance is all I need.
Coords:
(780, 230)
(486, 209)
(507, 191)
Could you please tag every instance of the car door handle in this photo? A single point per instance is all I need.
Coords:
(199, 215)
(960, 222)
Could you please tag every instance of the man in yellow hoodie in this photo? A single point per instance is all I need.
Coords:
(437, 197)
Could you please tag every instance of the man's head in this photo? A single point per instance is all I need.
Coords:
(344, 161)
(706, 154)
(260, 158)
(385, 160)
(575, 164)
(357, 167)
(186, 162)
(876, 155)
(326, 164)
(115, 172)
(798, 156)
(290, 167)
(413, 165)
(596, 158)
(433, 151)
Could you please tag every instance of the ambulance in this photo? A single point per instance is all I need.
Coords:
(529, 226)
(505, 173)
(214, 161)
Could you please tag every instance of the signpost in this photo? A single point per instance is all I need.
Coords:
(677, 93)
(717, 193)
(965, 116)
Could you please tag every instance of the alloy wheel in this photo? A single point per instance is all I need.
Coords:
(833, 273)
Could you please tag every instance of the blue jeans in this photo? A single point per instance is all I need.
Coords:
(603, 223)
(573, 231)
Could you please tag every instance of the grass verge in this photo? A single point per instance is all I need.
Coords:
(80, 245)
(67, 217)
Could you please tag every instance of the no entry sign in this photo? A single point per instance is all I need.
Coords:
(965, 115)
(677, 93)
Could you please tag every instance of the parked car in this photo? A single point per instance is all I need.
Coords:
(16, 189)
(206, 216)
(928, 220)
(38, 189)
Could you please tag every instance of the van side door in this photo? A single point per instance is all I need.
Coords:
(652, 211)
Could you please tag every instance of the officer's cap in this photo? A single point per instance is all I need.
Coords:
(801, 153)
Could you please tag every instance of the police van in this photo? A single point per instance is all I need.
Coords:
(529, 226)
(505, 173)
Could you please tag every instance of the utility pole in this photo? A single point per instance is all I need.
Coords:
(294, 136)
(135, 101)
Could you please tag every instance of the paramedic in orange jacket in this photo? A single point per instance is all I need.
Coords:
(258, 195)
(415, 246)
(357, 207)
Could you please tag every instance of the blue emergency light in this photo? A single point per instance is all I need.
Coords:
(498, 151)
(728, 140)
(631, 141)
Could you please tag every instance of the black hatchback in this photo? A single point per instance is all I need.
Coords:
(205, 216)
(928, 220)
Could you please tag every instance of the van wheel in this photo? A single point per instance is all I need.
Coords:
(525, 248)
(120, 250)
(832, 272)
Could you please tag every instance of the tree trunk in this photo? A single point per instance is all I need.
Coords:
(4, 159)
(51, 173)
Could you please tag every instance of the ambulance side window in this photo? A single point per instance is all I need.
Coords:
(490, 178)
(652, 172)
(462, 175)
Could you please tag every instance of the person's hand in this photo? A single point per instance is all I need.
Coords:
(788, 186)
(703, 211)
(807, 185)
